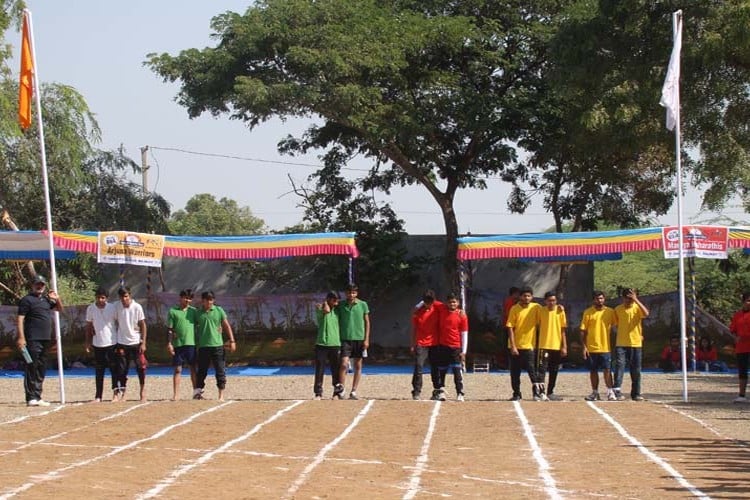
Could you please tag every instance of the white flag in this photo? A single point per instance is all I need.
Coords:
(670, 92)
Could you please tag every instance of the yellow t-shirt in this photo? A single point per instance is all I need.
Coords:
(551, 326)
(523, 320)
(598, 324)
(629, 327)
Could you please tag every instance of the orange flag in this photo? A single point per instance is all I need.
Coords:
(26, 85)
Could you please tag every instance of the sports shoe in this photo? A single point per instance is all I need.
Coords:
(460, 398)
(611, 397)
(353, 395)
(415, 396)
(515, 397)
(438, 395)
(318, 397)
(594, 396)
(338, 391)
(738, 399)
(638, 398)
(198, 394)
(37, 402)
(554, 397)
(619, 396)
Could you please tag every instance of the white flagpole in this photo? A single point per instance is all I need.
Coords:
(671, 100)
(48, 207)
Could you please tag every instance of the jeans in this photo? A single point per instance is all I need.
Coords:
(34, 372)
(215, 356)
(550, 363)
(526, 359)
(421, 355)
(104, 357)
(323, 355)
(631, 356)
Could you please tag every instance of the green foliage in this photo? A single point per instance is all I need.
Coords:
(204, 215)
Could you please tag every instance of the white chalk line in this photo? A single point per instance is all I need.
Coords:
(56, 474)
(34, 415)
(650, 454)
(184, 469)
(421, 462)
(326, 449)
(707, 426)
(537, 487)
(550, 486)
(61, 434)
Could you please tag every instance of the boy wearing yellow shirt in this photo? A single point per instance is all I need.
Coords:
(596, 328)
(522, 325)
(553, 345)
(629, 343)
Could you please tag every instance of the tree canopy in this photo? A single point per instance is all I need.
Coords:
(204, 215)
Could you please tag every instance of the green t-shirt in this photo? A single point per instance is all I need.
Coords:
(208, 326)
(328, 329)
(352, 319)
(182, 323)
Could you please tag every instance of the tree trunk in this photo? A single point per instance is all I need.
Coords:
(450, 260)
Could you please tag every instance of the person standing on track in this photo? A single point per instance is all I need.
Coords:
(354, 327)
(522, 335)
(131, 343)
(452, 345)
(596, 328)
(211, 323)
(181, 339)
(425, 323)
(101, 332)
(629, 343)
(327, 344)
(740, 328)
(34, 334)
(553, 345)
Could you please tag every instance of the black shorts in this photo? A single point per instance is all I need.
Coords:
(184, 355)
(352, 348)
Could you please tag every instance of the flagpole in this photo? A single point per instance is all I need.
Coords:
(47, 204)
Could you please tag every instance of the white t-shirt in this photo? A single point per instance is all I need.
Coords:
(128, 332)
(103, 319)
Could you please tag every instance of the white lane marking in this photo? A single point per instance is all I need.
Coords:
(421, 464)
(171, 478)
(650, 454)
(57, 474)
(61, 434)
(550, 486)
(707, 426)
(40, 414)
(327, 448)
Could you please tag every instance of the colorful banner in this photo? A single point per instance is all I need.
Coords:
(708, 242)
(123, 247)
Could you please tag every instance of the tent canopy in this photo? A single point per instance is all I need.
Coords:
(34, 245)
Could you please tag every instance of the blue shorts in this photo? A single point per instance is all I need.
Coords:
(184, 355)
(599, 361)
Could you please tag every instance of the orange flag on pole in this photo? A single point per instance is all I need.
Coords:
(26, 84)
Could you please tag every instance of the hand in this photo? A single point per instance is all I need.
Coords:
(53, 295)
(563, 352)
(170, 349)
(87, 348)
(21, 343)
(585, 353)
(514, 351)
(463, 358)
(232, 346)
(142, 347)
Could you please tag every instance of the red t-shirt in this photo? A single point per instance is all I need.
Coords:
(740, 326)
(710, 355)
(452, 323)
(426, 323)
(674, 356)
(509, 302)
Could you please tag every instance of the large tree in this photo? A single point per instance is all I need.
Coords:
(205, 215)
(430, 91)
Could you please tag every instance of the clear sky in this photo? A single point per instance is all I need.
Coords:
(99, 48)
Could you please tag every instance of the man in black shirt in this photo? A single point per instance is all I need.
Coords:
(34, 334)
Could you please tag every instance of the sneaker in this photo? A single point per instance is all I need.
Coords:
(318, 397)
(543, 397)
(619, 395)
(198, 394)
(435, 395)
(611, 397)
(515, 397)
(441, 395)
(353, 395)
(37, 402)
(460, 398)
(338, 391)
(554, 397)
(415, 396)
(638, 398)
(738, 399)
(594, 396)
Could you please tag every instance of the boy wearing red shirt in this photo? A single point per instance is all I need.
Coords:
(740, 328)
(452, 344)
(425, 325)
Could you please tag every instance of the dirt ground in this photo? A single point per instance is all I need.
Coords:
(270, 440)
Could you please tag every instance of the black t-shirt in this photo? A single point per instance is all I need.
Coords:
(37, 323)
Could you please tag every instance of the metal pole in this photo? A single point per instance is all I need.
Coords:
(144, 168)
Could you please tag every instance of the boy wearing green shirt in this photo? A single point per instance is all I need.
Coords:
(327, 345)
(181, 339)
(354, 327)
(210, 323)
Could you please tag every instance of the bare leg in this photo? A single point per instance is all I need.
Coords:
(594, 376)
(221, 394)
(343, 369)
(608, 378)
(176, 382)
(193, 375)
(357, 374)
